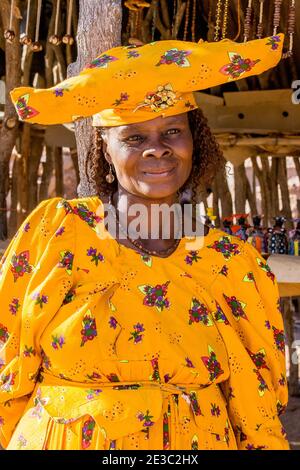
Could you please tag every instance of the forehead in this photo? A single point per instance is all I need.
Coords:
(152, 124)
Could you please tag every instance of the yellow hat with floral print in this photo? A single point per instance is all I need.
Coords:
(129, 84)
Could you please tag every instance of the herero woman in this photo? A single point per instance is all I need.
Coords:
(123, 343)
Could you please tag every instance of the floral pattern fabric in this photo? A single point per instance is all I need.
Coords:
(103, 348)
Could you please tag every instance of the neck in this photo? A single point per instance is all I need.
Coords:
(123, 202)
(148, 219)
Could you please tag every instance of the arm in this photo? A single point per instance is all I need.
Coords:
(35, 276)
(256, 390)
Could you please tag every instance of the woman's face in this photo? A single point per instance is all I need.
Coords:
(152, 159)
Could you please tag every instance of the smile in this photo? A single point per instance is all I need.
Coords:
(159, 173)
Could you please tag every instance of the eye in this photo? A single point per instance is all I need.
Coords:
(134, 138)
(173, 131)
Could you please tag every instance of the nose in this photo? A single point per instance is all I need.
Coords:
(157, 151)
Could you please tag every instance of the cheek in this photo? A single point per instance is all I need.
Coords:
(124, 160)
(186, 154)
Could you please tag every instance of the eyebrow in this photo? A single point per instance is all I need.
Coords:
(133, 127)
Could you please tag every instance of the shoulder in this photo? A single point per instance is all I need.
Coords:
(237, 254)
(57, 215)
(56, 208)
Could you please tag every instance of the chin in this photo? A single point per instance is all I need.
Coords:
(152, 192)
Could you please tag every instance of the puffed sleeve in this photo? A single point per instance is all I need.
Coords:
(248, 316)
(35, 275)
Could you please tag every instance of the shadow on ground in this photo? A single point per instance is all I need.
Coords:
(291, 422)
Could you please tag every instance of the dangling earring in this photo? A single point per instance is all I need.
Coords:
(110, 177)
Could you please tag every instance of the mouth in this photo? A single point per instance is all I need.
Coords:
(160, 173)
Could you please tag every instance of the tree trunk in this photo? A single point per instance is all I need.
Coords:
(33, 163)
(99, 29)
(274, 186)
(297, 166)
(215, 203)
(14, 195)
(267, 185)
(240, 189)
(262, 182)
(224, 193)
(8, 134)
(250, 195)
(283, 182)
(58, 161)
(47, 174)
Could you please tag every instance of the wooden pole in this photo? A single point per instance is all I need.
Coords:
(8, 133)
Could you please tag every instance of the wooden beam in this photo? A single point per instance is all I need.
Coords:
(255, 112)
(257, 141)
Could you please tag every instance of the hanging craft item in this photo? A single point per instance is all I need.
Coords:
(276, 19)
(154, 18)
(187, 18)
(225, 19)
(135, 16)
(135, 5)
(36, 46)
(260, 26)
(174, 19)
(227, 223)
(294, 240)
(256, 236)
(24, 38)
(210, 217)
(194, 21)
(55, 39)
(218, 20)
(9, 33)
(238, 20)
(276, 237)
(68, 38)
(248, 17)
(239, 229)
(291, 29)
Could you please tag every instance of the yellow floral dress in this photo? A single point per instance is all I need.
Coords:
(103, 348)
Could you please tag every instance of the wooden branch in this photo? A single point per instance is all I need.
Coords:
(28, 56)
(216, 197)
(240, 188)
(59, 177)
(259, 175)
(61, 62)
(146, 33)
(267, 183)
(250, 196)
(297, 166)
(248, 141)
(49, 53)
(285, 195)
(224, 192)
(165, 14)
(33, 163)
(48, 167)
(69, 48)
(274, 185)
(178, 18)
(165, 32)
(8, 135)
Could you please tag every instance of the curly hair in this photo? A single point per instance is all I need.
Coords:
(207, 159)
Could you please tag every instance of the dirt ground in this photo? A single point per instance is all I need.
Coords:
(291, 422)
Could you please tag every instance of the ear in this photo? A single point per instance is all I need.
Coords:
(105, 148)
